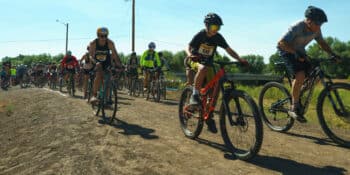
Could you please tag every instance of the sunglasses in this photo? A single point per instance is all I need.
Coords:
(214, 27)
(102, 36)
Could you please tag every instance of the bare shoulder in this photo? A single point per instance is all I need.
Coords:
(92, 43)
(110, 43)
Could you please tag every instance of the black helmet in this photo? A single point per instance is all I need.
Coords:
(160, 54)
(133, 54)
(152, 45)
(317, 15)
(213, 18)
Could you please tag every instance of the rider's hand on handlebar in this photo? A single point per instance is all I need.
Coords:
(336, 58)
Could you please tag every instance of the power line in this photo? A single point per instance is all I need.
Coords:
(58, 39)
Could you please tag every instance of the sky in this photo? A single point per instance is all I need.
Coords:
(250, 26)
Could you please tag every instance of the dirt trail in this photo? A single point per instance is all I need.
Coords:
(54, 134)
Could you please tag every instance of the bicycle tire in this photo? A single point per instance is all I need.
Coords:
(289, 122)
(328, 130)
(183, 116)
(258, 130)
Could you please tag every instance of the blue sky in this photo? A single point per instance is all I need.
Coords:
(250, 26)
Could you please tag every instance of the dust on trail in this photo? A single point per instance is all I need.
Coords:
(47, 133)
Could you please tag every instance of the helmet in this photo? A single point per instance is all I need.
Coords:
(88, 48)
(160, 54)
(69, 52)
(102, 30)
(317, 15)
(212, 18)
(152, 45)
(133, 54)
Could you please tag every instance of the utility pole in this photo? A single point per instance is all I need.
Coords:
(67, 37)
(133, 26)
(66, 24)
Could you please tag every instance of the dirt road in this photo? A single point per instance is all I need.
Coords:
(43, 132)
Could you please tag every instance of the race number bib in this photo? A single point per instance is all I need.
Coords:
(206, 50)
(101, 57)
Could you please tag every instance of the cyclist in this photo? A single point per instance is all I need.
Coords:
(292, 50)
(131, 68)
(87, 68)
(69, 64)
(103, 51)
(21, 71)
(148, 58)
(201, 51)
(52, 72)
(5, 73)
(13, 71)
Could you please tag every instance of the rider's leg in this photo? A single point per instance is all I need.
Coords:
(198, 81)
(145, 80)
(98, 79)
(296, 86)
(85, 80)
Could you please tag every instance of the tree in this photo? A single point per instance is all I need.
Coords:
(256, 64)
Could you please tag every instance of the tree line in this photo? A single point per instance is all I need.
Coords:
(257, 65)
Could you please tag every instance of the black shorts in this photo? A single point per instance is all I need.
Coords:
(87, 71)
(293, 65)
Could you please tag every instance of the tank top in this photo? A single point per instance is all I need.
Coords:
(102, 53)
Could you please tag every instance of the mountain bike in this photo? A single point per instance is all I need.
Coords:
(162, 84)
(240, 123)
(153, 88)
(135, 87)
(52, 79)
(71, 84)
(333, 104)
(108, 101)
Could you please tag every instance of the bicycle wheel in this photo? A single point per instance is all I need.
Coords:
(137, 87)
(156, 92)
(333, 111)
(72, 85)
(111, 112)
(191, 120)
(241, 126)
(274, 103)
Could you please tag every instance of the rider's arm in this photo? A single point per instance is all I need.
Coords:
(82, 58)
(188, 50)
(157, 59)
(233, 54)
(325, 46)
(75, 61)
(283, 45)
(142, 60)
(92, 49)
(115, 56)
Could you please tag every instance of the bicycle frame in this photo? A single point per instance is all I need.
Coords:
(315, 76)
